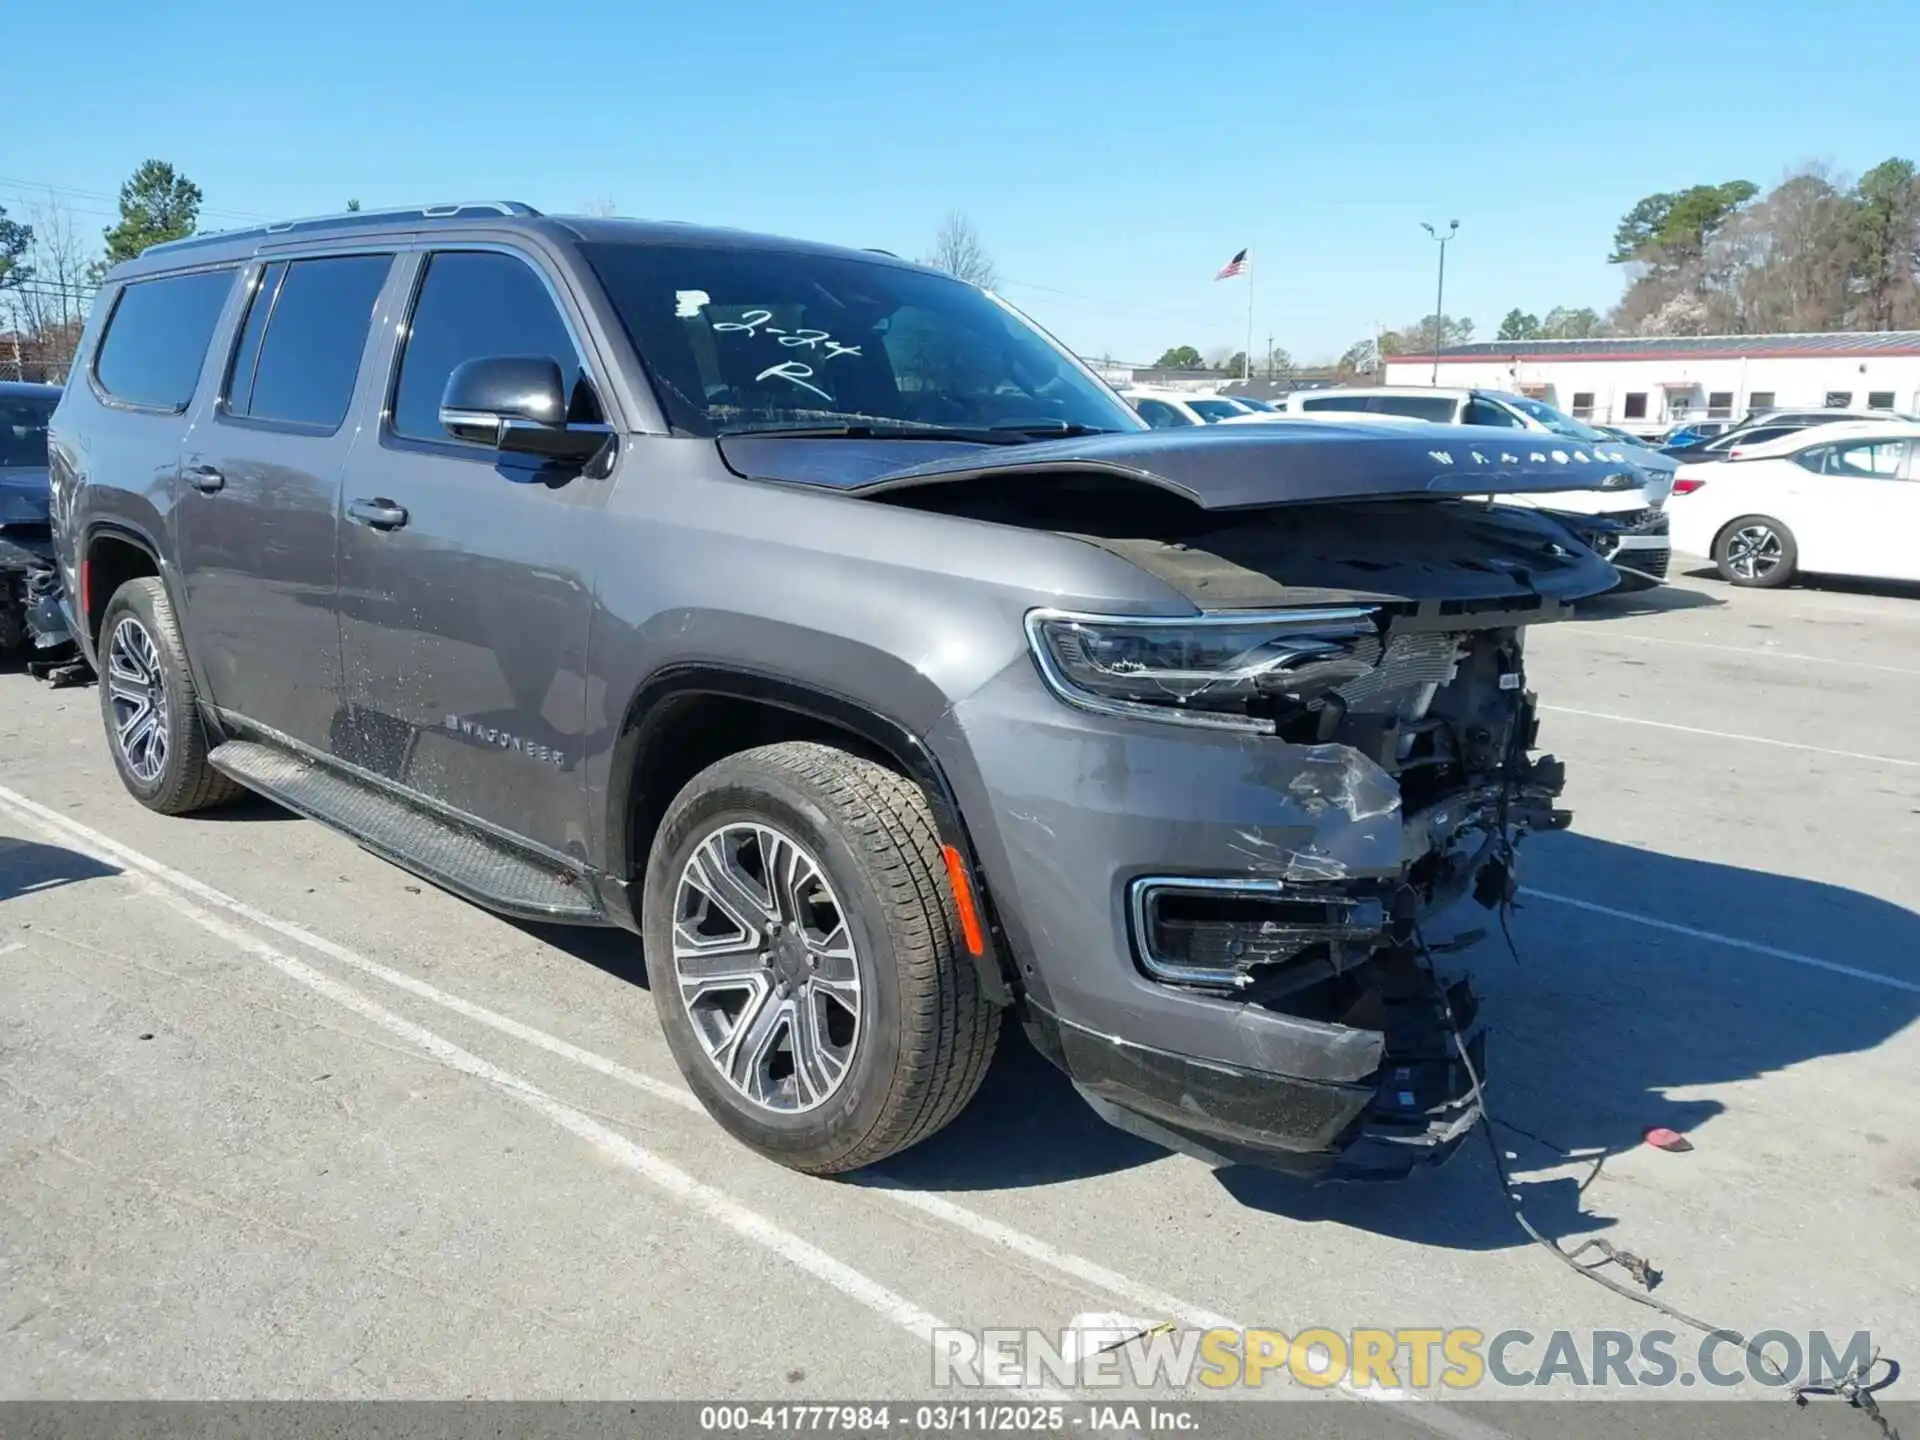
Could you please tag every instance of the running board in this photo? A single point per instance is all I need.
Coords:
(474, 865)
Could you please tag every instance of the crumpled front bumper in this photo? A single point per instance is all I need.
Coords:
(1412, 1110)
(1077, 809)
(30, 593)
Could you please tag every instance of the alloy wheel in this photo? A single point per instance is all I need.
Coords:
(1753, 551)
(138, 689)
(766, 967)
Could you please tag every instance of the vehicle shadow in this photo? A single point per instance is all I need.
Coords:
(1591, 1033)
(246, 810)
(1659, 600)
(1834, 584)
(608, 949)
(27, 866)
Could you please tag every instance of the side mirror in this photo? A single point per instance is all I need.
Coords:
(518, 404)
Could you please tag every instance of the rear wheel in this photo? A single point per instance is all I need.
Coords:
(804, 954)
(151, 710)
(1756, 551)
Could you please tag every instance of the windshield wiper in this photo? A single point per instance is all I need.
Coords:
(1049, 429)
(883, 430)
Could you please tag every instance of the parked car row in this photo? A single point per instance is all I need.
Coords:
(1781, 493)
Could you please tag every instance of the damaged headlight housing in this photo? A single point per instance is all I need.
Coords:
(1215, 670)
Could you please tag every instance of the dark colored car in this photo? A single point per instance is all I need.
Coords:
(26, 549)
(812, 615)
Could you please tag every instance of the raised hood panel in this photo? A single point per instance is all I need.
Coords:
(1218, 468)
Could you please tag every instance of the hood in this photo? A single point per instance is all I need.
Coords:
(1218, 467)
(23, 495)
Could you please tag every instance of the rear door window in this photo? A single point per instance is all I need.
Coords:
(1160, 415)
(1336, 402)
(1485, 412)
(1879, 459)
(157, 338)
(299, 352)
(1419, 407)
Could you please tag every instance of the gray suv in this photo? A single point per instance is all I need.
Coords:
(820, 620)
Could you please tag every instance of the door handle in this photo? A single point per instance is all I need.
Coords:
(381, 514)
(205, 479)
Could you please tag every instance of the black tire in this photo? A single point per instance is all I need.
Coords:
(179, 781)
(1772, 564)
(925, 1032)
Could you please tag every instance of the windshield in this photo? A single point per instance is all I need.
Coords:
(23, 430)
(1556, 421)
(1214, 411)
(738, 340)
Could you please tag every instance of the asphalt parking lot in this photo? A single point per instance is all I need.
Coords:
(276, 1119)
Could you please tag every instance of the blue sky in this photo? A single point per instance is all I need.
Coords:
(1118, 152)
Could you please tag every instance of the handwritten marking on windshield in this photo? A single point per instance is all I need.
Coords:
(753, 323)
(793, 372)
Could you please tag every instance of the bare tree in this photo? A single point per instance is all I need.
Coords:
(958, 251)
(50, 309)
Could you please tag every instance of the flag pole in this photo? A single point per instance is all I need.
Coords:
(1246, 365)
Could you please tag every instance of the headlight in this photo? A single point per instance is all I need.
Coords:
(1227, 671)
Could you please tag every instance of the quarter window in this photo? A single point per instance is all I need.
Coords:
(157, 338)
(474, 304)
(299, 352)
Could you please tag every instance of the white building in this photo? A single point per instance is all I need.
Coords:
(1645, 384)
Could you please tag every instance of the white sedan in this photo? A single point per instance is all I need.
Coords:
(1835, 500)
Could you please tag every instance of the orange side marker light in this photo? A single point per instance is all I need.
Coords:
(970, 929)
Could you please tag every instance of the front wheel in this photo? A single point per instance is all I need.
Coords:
(805, 957)
(1756, 551)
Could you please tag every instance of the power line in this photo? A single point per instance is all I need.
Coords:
(13, 182)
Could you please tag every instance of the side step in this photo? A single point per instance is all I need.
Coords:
(467, 861)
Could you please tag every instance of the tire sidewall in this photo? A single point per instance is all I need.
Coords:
(136, 598)
(733, 793)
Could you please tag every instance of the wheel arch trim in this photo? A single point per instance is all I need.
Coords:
(998, 973)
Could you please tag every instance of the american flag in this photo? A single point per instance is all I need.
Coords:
(1236, 266)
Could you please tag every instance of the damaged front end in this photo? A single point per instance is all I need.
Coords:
(1408, 731)
(1226, 862)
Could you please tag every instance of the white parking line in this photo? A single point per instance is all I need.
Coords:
(1762, 651)
(1728, 735)
(713, 1203)
(1413, 1408)
(1813, 962)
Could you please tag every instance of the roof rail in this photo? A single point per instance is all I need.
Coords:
(455, 210)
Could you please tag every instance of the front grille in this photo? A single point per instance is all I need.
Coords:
(1641, 522)
(1646, 562)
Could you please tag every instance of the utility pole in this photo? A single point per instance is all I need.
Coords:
(1440, 291)
(1269, 354)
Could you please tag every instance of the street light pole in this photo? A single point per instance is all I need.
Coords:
(1439, 291)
